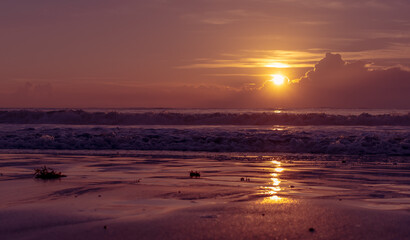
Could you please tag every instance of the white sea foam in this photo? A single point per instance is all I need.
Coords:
(303, 139)
(209, 130)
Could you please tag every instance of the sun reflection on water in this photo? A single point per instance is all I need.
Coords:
(275, 181)
(276, 162)
(278, 169)
(272, 191)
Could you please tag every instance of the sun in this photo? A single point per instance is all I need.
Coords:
(278, 79)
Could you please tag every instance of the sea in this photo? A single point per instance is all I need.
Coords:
(273, 131)
(262, 173)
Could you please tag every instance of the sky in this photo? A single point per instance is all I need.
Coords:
(205, 53)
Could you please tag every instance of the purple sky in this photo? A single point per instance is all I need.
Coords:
(204, 53)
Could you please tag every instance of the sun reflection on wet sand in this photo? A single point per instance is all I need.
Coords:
(272, 191)
(275, 181)
(276, 162)
(278, 169)
(276, 199)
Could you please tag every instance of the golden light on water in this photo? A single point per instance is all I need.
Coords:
(278, 129)
(275, 181)
(275, 198)
(272, 191)
(278, 169)
(275, 189)
(276, 162)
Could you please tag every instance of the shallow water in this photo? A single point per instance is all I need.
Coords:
(150, 195)
(373, 182)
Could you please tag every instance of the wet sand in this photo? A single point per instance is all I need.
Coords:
(151, 196)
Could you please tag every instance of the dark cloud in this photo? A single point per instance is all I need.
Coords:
(337, 83)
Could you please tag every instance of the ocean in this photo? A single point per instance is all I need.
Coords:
(300, 131)
(259, 174)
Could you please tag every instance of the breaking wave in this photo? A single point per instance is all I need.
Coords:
(81, 117)
(321, 140)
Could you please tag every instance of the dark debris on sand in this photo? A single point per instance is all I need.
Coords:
(194, 174)
(245, 179)
(47, 173)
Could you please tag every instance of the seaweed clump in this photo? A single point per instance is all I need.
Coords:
(245, 179)
(194, 174)
(47, 173)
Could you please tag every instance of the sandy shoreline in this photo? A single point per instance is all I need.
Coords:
(154, 198)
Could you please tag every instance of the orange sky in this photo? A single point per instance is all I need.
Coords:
(204, 53)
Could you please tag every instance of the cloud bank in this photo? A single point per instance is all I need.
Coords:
(337, 83)
(333, 82)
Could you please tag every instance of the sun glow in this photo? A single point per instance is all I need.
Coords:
(278, 79)
(277, 65)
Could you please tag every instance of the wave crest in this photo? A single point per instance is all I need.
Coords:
(321, 140)
(81, 117)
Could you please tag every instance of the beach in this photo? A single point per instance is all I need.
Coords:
(150, 195)
(191, 120)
